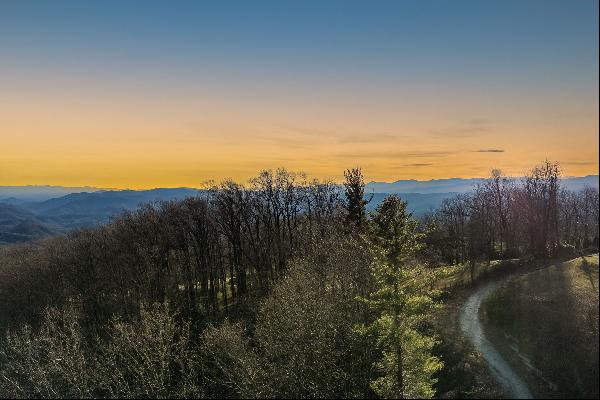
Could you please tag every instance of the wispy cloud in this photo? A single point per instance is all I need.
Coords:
(342, 137)
(489, 151)
(367, 138)
(306, 131)
(286, 142)
(397, 154)
(472, 127)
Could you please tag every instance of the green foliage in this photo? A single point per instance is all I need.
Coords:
(395, 231)
(419, 365)
(402, 299)
(307, 335)
(355, 197)
(403, 302)
(303, 344)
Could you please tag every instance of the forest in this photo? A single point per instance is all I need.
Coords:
(283, 287)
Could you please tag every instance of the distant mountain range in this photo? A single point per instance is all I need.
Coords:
(18, 225)
(418, 203)
(460, 185)
(39, 193)
(87, 209)
(22, 219)
(33, 212)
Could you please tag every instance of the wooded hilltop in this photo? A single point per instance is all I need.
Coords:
(284, 287)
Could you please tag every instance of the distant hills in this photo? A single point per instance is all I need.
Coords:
(18, 225)
(39, 193)
(460, 185)
(22, 219)
(87, 209)
(32, 212)
(418, 203)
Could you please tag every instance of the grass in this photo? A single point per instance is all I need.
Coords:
(459, 276)
(465, 374)
(545, 323)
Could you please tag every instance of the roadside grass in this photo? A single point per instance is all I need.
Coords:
(465, 374)
(459, 276)
(545, 323)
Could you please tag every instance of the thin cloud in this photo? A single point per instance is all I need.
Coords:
(472, 127)
(366, 138)
(287, 142)
(340, 137)
(479, 121)
(306, 131)
(489, 151)
(397, 154)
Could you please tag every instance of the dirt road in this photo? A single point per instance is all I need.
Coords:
(472, 329)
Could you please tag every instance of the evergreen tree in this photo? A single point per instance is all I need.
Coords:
(355, 198)
(402, 299)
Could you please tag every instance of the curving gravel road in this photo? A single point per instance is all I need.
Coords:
(471, 327)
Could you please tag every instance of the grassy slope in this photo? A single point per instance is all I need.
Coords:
(546, 324)
(459, 276)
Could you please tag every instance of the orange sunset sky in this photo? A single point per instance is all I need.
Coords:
(121, 97)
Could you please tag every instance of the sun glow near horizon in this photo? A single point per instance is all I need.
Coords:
(114, 99)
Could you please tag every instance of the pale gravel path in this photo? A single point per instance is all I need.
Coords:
(472, 329)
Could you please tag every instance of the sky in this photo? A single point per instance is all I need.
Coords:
(140, 94)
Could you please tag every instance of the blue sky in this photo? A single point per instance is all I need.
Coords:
(382, 36)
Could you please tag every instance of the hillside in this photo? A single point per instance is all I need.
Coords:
(19, 225)
(546, 325)
(22, 220)
(260, 292)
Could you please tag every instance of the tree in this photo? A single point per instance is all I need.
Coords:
(481, 227)
(303, 343)
(355, 198)
(402, 299)
(540, 201)
(500, 191)
(453, 215)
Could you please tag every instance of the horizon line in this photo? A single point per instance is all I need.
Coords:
(143, 188)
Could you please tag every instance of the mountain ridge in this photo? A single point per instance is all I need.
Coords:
(461, 184)
(24, 219)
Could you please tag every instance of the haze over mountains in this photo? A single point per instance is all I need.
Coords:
(22, 219)
(460, 185)
(33, 212)
(34, 193)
